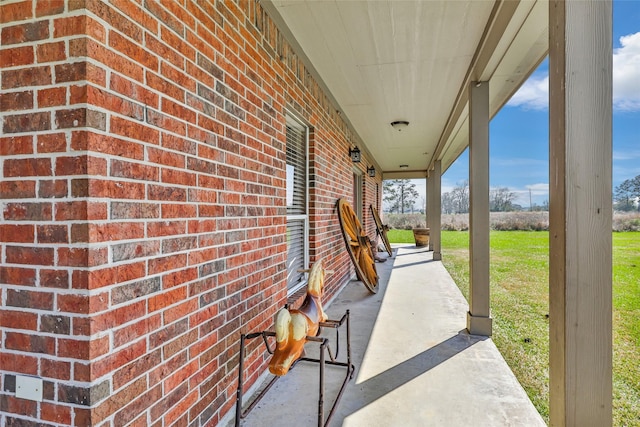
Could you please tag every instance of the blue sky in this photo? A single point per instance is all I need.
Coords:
(519, 133)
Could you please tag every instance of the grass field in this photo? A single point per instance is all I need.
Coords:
(519, 307)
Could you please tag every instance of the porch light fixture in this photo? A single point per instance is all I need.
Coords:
(400, 125)
(355, 155)
(371, 171)
(404, 166)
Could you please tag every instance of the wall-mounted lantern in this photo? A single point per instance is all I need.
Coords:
(355, 155)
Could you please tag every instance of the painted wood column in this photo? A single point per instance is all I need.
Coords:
(580, 162)
(435, 210)
(479, 316)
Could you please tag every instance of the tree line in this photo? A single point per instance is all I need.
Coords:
(400, 196)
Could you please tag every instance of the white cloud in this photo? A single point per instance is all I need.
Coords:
(626, 74)
(534, 93)
(626, 155)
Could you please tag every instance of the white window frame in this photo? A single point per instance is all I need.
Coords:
(293, 121)
(358, 196)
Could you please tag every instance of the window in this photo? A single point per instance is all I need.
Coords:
(357, 193)
(297, 218)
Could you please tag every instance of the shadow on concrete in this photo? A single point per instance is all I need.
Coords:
(385, 382)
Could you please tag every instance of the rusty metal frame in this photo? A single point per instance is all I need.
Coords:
(324, 348)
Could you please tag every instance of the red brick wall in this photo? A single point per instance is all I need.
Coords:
(142, 193)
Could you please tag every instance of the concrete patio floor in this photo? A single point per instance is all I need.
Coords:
(415, 364)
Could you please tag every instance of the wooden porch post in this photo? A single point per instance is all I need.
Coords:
(435, 209)
(478, 318)
(580, 158)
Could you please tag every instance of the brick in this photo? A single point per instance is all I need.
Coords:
(118, 316)
(80, 117)
(133, 51)
(137, 404)
(164, 86)
(50, 368)
(51, 52)
(60, 414)
(18, 320)
(116, 190)
(164, 17)
(30, 343)
(135, 290)
(167, 263)
(71, 72)
(17, 56)
(110, 59)
(134, 210)
(53, 189)
(32, 122)
(172, 176)
(132, 250)
(14, 12)
(140, 366)
(27, 167)
(18, 276)
(29, 255)
(117, 274)
(27, 32)
(27, 211)
(133, 130)
(136, 330)
(17, 233)
(113, 231)
(73, 257)
(16, 101)
(68, 211)
(54, 279)
(26, 77)
(167, 193)
(49, 7)
(51, 143)
(165, 299)
(121, 169)
(13, 405)
(30, 299)
(179, 244)
(87, 396)
(133, 90)
(70, 26)
(52, 97)
(55, 324)
(16, 145)
(106, 144)
(52, 233)
(101, 98)
(180, 277)
(166, 158)
(115, 359)
(166, 228)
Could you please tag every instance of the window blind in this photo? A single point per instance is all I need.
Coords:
(296, 202)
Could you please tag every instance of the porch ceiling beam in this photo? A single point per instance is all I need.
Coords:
(497, 24)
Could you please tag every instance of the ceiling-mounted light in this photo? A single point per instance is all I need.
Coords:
(371, 171)
(355, 155)
(400, 125)
(404, 166)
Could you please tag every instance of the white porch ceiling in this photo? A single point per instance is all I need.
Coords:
(387, 60)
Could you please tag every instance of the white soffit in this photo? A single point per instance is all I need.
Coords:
(389, 60)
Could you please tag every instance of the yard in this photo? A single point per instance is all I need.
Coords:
(520, 301)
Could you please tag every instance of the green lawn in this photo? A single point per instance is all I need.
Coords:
(519, 307)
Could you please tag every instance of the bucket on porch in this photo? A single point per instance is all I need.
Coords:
(421, 235)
